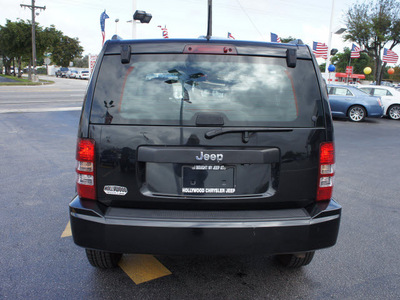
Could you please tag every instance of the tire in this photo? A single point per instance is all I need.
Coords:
(295, 260)
(102, 259)
(394, 112)
(357, 113)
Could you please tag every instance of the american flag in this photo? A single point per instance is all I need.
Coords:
(355, 52)
(230, 36)
(103, 18)
(320, 50)
(164, 31)
(389, 56)
(275, 38)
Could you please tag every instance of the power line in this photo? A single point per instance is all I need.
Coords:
(251, 21)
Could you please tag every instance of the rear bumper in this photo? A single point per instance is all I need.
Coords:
(376, 112)
(203, 232)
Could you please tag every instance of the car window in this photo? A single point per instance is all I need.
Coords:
(366, 90)
(174, 89)
(382, 92)
(339, 91)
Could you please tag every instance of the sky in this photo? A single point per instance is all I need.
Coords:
(308, 20)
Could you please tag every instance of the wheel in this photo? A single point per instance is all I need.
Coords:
(357, 113)
(295, 260)
(394, 112)
(102, 259)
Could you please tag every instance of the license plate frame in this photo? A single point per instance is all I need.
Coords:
(208, 179)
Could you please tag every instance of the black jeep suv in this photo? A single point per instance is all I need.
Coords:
(205, 147)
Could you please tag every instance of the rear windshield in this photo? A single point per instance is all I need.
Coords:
(175, 89)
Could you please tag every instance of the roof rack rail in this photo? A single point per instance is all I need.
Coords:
(116, 37)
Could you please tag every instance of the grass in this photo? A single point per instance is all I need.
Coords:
(23, 81)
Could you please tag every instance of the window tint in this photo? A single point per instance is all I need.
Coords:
(174, 89)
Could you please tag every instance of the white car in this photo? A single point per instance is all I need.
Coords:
(83, 74)
(390, 98)
(71, 74)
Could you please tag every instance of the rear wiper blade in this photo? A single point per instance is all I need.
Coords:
(216, 132)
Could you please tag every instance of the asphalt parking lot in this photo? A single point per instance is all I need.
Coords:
(40, 261)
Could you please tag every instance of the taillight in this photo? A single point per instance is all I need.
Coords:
(326, 171)
(85, 156)
(380, 102)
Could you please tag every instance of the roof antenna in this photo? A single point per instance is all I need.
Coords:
(209, 29)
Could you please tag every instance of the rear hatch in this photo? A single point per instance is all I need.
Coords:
(207, 127)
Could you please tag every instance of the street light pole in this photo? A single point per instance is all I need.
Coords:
(116, 26)
(330, 39)
(133, 21)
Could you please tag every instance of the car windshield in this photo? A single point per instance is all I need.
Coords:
(174, 89)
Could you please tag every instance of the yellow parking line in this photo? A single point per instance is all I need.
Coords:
(67, 231)
(142, 268)
(139, 267)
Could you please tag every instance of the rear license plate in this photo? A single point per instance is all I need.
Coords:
(202, 179)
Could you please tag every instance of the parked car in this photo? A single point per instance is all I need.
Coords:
(219, 147)
(72, 74)
(390, 98)
(62, 72)
(349, 102)
(83, 74)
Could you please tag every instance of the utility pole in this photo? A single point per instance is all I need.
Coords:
(33, 7)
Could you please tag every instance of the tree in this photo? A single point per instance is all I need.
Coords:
(16, 44)
(394, 77)
(81, 62)
(45, 41)
(342, 59)
(65, 50)
(288, 39)
(15, 40)
(374, 24)
(322, 67)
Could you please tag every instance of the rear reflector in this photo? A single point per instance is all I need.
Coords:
(326, 171)
(210, 49)
(85, 156)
